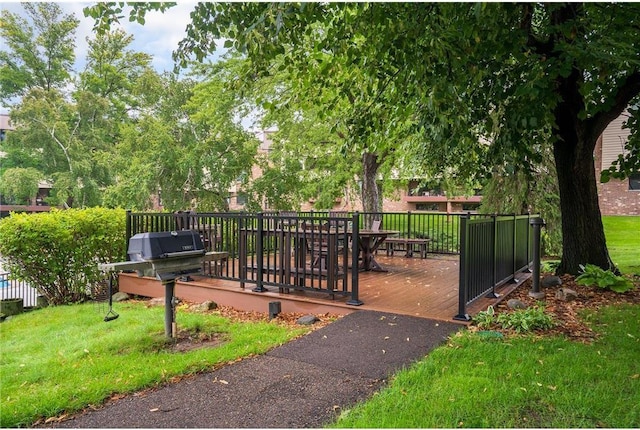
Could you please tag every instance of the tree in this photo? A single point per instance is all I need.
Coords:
(41, 50)
(20, 184)
(186, 145)
(519, 77)
(67, 128)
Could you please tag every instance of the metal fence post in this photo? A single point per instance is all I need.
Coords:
(494, 258)
(514, 248)
(260, 255)
(528, 270)
(464, 271)
(537, 224)
(355, 235)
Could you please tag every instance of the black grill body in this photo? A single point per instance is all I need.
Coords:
(165, 245)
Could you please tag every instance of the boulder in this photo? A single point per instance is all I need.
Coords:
(516, 304)
(566, 294)
(550, 281)
(157, 301)
(308, 320)
(120, 297)
(206, 306)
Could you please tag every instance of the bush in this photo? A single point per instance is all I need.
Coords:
(58, 252)
(521, 320)
(524, 320)
(606, 279)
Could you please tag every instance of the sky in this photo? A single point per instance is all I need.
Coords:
(159, 36)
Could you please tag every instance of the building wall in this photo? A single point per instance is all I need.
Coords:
(615, 197)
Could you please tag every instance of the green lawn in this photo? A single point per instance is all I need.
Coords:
(623, 242)
(528, 381)
(518, 382)
(63, 358)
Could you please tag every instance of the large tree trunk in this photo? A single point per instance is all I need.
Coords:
(370, 192)
(583, 239)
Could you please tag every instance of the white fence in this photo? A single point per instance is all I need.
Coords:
(14, 289)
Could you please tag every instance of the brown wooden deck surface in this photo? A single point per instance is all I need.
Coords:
(425, 288)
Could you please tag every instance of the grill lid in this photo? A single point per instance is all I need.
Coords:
(165, 245)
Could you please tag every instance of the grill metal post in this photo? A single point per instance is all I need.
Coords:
(169, 309)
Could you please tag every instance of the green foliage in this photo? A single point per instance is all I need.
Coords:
(521, 320)
(495, 84)
(20, 184)
(593, 275)
(40, 50)
(525, 320)
(58, 252)
(549, 266)
(485, 319)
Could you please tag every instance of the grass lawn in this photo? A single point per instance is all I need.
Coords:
(623, 242)
(61, 359)
(476, 381)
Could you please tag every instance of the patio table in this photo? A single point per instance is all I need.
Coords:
(368, 243)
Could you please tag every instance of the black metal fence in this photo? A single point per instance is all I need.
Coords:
(441, 228)
(313, 250)
(288, 251)
(494, 250)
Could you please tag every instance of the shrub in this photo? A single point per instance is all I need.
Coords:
(485, 319)
(524, 320)
(594, 275)
(58, 252)
(521, 320)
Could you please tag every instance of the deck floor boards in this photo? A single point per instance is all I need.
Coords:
(426, 288)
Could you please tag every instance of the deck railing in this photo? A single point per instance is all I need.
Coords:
(440, 227)
(286, 251)
(277, 249)
(494, 250)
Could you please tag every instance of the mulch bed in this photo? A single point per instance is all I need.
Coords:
(567, 314)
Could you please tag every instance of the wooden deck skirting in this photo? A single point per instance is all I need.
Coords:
(426, 288)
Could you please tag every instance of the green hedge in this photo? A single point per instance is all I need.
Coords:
(58, 252)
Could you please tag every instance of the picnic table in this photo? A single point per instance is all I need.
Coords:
(368, 243)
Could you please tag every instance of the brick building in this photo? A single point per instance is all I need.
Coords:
(616, 197)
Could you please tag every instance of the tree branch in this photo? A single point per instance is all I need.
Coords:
(629, 89)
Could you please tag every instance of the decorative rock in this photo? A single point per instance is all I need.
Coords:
(120, 297)
(206, 306)
(516, 304)
(307, 320)
(158, 301)
(550, 281)
(13, 306)
(566, 294)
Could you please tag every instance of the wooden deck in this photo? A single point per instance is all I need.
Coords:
(426, 288)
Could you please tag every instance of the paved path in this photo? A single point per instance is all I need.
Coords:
(304, 383)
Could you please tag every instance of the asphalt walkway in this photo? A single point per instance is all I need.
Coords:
(304, 383)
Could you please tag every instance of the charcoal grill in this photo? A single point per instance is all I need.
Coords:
(169, 255)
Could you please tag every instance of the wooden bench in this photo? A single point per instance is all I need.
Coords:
(408, 245)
